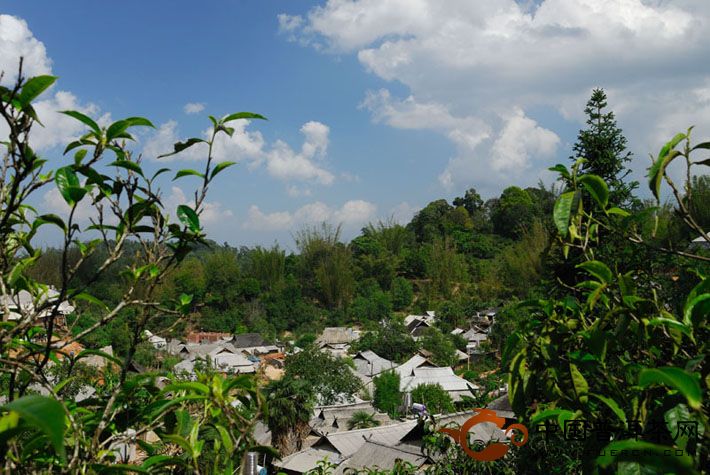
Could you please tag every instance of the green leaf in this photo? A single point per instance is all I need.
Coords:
(646, 454)
(597, 269)
(180, 146)
(226, 439)
(242, 115)
(705, 145)
(44, 414)
(187, 172)
(161, 461)
(665, 156)
(128, 165)
(561, 213)
(611, 404)
(618, 211)
(562, 415)
(700, 305)
(117, 129)
(697, 301)
(189, 218)
(220, 167)
(49, 219)
(91, 299)
(675, 378)
(671, 323)
(158, 173)
(83, 118)
(66, 181)
(33, 88)
(562, 170)
(102, 354)
(597, 188)
(581, 387)
(189, 386)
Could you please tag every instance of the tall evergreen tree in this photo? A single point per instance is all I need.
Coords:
(603, 145)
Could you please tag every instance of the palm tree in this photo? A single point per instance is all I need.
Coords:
(290, 407)
(362, 420)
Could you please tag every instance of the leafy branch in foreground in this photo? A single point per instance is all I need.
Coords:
(612, 353)
(198, 424)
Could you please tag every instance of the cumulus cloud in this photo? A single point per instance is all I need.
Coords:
(403, 212)
(60, 129)
(194, 107)
(473, 67)
(16, 40)
(521, 138)
(280, 160)
(53, 202)
(351, 213)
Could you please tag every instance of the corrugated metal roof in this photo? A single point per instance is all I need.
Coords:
(371, 364)
(337, 335)
(444, 377)
(407, 368)
(381, 456)
(349, 442)
(305, 460)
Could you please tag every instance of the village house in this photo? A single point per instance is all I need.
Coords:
(25, 305)
(337, 340)
(417, 324)
(370, 364)
(380, 446)
(330, 419)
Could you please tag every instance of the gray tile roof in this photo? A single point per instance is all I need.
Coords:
(381, 456)
(248, 340)
(369, 363)
(337, 336)
(305, 460)
(349, 442)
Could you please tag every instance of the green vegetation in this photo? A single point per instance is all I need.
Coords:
(433, 396)
(604, 318)
(387, 397)
(330, 378)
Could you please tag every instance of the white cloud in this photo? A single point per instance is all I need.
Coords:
(296, 191)
(471, 65)
(60, 129)
(194, 107)
(519, 142)
(403, 212)
(16, 40)
(279, 159)
(53, 202)
(520, 139)
(351, 213)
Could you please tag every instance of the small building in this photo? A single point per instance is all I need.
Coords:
(382, 456)
(444, 377)
(248, 340)
(337, 340)
(158, 342)
(370, 364)
(207, 337)
(43, 305)
(700, 243)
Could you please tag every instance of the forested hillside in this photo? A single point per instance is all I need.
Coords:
(455, 258)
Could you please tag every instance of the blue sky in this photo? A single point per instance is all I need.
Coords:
(375, 107)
